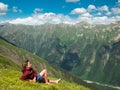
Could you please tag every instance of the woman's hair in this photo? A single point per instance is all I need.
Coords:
(24, 65)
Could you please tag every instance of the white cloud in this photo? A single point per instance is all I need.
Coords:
(38, 19)
(99, 13)
(99, 20)
(37, 10)
(108, 13)
(91, 7)
(116, 10)
(86, 15)
(103, 8)
(117, 18)
(3, 8)
(15, 9)
(78, 11)
(72, 0)
(21, 21)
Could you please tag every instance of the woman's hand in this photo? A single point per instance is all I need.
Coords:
(34, 79)
(30, 80)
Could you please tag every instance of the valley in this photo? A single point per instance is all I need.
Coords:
(87, 51)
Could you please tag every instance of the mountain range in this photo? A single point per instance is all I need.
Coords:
(87, 51)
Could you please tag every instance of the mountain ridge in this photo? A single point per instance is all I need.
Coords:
(84, 50)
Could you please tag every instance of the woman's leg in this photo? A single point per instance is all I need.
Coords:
(44, 74)
(54, 81)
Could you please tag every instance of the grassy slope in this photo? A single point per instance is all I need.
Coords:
(7, 63)
(9, 80)
(10, 71)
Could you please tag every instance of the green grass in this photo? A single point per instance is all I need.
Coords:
(7, 63)
(9, 80)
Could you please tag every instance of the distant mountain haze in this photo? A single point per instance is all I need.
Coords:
(87, 51)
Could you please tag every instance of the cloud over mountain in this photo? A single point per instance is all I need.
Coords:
(3, 8)
(38, 19)
(43, 18)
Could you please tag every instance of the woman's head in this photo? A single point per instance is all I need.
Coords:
(27, 64)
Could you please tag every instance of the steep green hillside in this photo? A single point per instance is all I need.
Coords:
(6, 63)
(84, 50)
(9, 80)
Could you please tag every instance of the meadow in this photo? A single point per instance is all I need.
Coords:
(9, 80)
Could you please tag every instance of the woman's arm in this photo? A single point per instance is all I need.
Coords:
(24, 76)
(33, 80)
(35, 74)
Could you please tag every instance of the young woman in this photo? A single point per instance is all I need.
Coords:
(29, 74)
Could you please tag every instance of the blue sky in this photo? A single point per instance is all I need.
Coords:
(36, 12)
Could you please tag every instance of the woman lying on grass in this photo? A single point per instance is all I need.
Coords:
(29, 74)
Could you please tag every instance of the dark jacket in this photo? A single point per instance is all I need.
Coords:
(28, 74)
